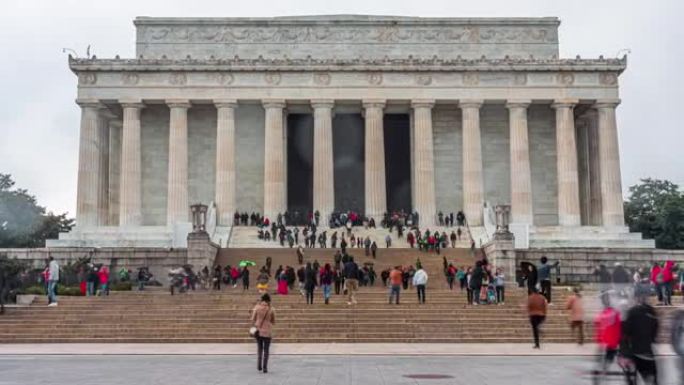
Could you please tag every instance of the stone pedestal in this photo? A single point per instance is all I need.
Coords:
(521, 177)
(225, 161)
(376, 198)
(87, 195)
(201, 251)
(177, 199)
(566, 164)
(323, 171)
(473, 189)
(423, 162)
(274, 160)
(609, 164)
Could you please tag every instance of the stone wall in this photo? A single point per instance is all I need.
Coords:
(448, 144)
(542, 139)
(496, 154)
(578, 265)
(154, 122)
(202, 154)
(249, 157)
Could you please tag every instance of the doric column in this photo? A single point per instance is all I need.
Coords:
(87, 195)
(594, 169)
(323, 173)
(473, 189)
(225, 160)
(130, 205)
(274, 160)
(566, 164)
(609, 164)
(376, 197)
(103, 176)
(177, 207)
(114, 171)
(521, 178)
(423, 162)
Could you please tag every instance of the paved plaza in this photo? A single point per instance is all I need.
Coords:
(303, 370)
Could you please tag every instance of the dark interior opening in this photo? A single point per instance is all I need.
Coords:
(348, 160)
(398, 161)
(300, 163)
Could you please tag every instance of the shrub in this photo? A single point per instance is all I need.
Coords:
(121, 286)
(37, 290)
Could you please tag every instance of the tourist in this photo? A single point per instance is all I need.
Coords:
(608, 330)
(639, 333)
(53, 279)
(300, 255)
(103, 276)
(384, 275)
(282, 281)
(396, 277)
(575, 309)
(476, 278)
(388, 241)
(263, 317)
(337, 277)
(262, 280)
(234, 276)
(536, 309)
(668, 282)
(450, 276)
(374, 249)
(92, 281)
(143, 277)
(500, 286)
(544, 276)
(326, 278)
(245, 278)
(309, 283)
(301, 278)
(216, 279)
(351, 280)
(420, 279)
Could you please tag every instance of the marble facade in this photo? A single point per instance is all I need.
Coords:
(199, 115)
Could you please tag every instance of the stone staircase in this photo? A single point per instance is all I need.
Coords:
(586, 237)
(246, 237)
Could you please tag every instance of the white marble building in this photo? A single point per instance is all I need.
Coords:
(200, 115)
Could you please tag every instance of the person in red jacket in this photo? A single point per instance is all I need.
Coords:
(103, 275)
(608, 329)
(668, 283)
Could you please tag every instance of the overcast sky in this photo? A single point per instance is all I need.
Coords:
(39, 120)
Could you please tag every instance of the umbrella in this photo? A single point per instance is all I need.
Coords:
(244, 263)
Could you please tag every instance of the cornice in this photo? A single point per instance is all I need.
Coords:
(434, 64)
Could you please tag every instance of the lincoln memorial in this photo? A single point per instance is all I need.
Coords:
(336, 113)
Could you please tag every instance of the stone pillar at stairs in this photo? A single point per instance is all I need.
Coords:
(609, 164)
(473, 188)
(375, 189)
(566, 152)
(87, 195)
(521, 177)
(274, 160)
(225, 161)
(423, 162)
(130, 205)
(323, 172)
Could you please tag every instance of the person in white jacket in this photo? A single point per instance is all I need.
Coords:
(420, 279)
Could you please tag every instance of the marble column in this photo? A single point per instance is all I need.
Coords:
(521, 177)
(87, 195)
(177, 206)
(566, 164)
(274, 160)
(473, 185)
(103, 175)
(423, 162)
(115, 127)
(225, 161)
(609, 163)
(375, 189)
(323, 173)
(595, 209)
(130, 199)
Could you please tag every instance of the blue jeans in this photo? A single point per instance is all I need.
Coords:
(52, 296)
(326, 291)
(394, 292)
(90, 288)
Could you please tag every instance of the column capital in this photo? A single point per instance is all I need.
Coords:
(564, 103)
(89, 103)
(108, 114)
(606, 103)
(374, 103)
(225, 103)
(470, 103)
(422, 103)
(273, 103)
(132, 103)
(322, 103)
(178, 103)
(518, 103)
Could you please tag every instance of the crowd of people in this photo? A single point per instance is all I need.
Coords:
(661, 279)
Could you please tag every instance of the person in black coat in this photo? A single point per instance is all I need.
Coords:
(476, 282)
(639, 332)
(310, 283)
(245, 278)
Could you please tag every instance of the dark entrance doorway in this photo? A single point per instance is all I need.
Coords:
(348, 160)
(398, 161)
(300, 164)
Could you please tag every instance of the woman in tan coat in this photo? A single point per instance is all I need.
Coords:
(263, 317)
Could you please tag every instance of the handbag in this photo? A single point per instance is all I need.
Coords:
(253, 332)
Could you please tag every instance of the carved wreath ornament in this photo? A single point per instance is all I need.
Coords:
(272, 78)
(375, 78)
(88, 78)
(322, 79)
(178, 79)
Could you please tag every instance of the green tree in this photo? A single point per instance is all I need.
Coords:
(655, 208)
(10, 270)
(23, 223)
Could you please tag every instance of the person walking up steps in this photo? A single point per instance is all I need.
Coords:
(396, 277)
(536, 308)
(544, 277)
(420, 279)
(309, 283)
(326, 279)
(53, 279)
(351, 280)
(263, 317)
